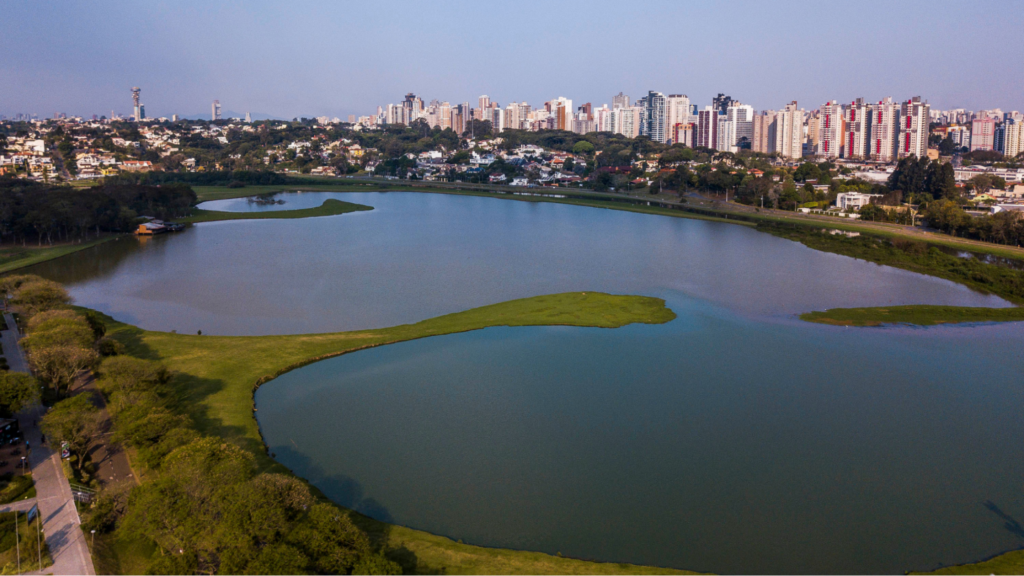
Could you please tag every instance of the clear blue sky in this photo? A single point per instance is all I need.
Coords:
(337, 58)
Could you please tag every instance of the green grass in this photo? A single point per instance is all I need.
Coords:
(15, 257)
(14, 488)
(1008, 563)
(208, 193)
(918, 315)
(330, 207)
(215, 377)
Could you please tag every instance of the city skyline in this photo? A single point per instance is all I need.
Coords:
(331, 60)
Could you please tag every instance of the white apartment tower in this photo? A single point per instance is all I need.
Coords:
(914, 128)
(677, 111)
(830, 130)
(1013, 138)
(885, 120)
(620, 101)
(858, 129)
(215, 110)
(787, 137)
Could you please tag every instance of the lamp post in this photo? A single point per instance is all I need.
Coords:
(22, 465)
(93, 532)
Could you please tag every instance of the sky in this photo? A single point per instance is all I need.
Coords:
(314, 58)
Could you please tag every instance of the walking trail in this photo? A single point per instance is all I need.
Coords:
(61, 523)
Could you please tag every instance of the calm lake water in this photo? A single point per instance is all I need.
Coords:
(732, 439)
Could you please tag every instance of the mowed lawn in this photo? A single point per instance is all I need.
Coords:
(216, 376)
(330, 207)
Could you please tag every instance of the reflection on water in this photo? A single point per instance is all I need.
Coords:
(716, 442)
(416, 256)
(733, 439)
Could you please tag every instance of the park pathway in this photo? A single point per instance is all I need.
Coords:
(61, 523)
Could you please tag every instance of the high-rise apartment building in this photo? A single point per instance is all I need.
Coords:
(858, 129)
(620, 101)
(654, 117)
(627, 121)
(915, 120)
(787, 133)
(215, 110)
(983, 132)
(677, 112)
(1013, 138)
(561, 109)
(760, 140)
(885, 121)
(830, 130)
(707, 127)
(721, 103)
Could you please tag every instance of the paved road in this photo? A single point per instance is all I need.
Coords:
(12, 351)
(61, 523)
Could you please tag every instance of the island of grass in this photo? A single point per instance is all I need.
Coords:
(330, 207)
(215, 377)
(1008, 563)
(922, 315)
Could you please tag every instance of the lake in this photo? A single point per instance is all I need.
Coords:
(734, 439)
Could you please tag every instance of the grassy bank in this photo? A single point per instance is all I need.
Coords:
(914, 256)
(215, 376)
(918, 315)
(1008, 563)
(15, 257)
(330, 207)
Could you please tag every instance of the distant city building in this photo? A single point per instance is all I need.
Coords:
(983, 133)
(215, 110)
(787, 134)
(248, 117)
(707, 127)
(620, 101)
(885, 118)
(721, 103)
(915, 118)
(761, 129)
(1013, 137)
(858, 130)
(654, 117)
(677, 112)
(830, 130)
(137, 115)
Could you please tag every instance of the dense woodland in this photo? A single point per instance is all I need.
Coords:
(31, 212)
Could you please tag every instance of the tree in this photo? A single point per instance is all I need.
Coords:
(122, 378)
(583, 148)
(947, 147)
(567, 166)
(58, 366)
(75, 421)
(331, 539)
(17, 390)
(58, 328)
(40, 295)
(941, 181)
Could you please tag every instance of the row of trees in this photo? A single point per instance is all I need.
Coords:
(30, 211)
(203, 502)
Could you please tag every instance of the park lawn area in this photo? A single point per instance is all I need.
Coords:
(921, 315)
(215, 377)
(330, 207)
(15, 257)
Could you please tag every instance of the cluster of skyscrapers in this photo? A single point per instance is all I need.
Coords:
(881, 131)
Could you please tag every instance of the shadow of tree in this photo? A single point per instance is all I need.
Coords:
(1009, 523)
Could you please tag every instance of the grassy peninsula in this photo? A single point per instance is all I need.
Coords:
(1008, 563)
(330, 207)
(214, 378)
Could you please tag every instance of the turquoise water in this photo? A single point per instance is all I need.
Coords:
(734, 439)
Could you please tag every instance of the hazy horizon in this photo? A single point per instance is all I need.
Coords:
(317, 58)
